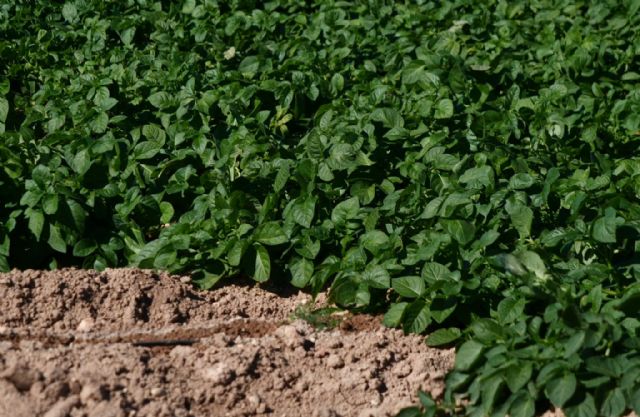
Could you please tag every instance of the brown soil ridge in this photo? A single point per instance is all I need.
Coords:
(127, 342)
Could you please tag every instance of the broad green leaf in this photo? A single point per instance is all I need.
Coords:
(161, 100)
(521, 181)
(303, 211)
(604, 228)
(84, 247)
(443, 337)
(467, 355)
(301, 272)
(587, 408)
(614, 403)
(409, 286)
(560, 389)
(374, 240)
(532, 261)
(270, 233)
(523, 406)
(50, 203)
(55, 239)
(521, 217)
(81, 162)
(346, 210)
(518, 375)
(237, 251)
(510, 309)
(478, 177)
(461, 230)
(249, 66)
(416, 317)
(262, 268)
(4, 109)
(444, 109)
(433, 271)
(376, 276)
(36, 222)
(393, 316)
(69, 12)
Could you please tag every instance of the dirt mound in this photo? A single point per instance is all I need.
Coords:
(127, 342)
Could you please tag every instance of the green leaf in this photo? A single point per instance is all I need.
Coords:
(518, 375)
(416, 317)
(533, 263)
(345, 210)
(614, 403)
(442, 337)
(301, 272)
(521, 181)
(81, 162)
(467, 355)
(161, 100)
(478, 177)
(84, 247)
(521, 217)
(50, 203)
(604, 228)
(55, 239)
(461, 230)
(69, 12)
(487, 330)
(586, 408)
(376, 276)
(410, 286)
(36, 222)
(523, 406)
(303, 211)
(270, 233)
(374, 240)
(444, 109)
(249, 66)
(510, 309)
(393, 316)
(4, 110)
(234, 257)
(434, 271)
(262, 268)
(559, 390)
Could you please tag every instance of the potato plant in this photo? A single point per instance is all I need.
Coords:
(471, 168)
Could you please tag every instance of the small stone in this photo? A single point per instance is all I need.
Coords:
(290, 336)
(91, 392)
(157, 392)
(254, 400)
(335, 361)
(4, 330)
(185, 279)
(85, 325)
(219, 374)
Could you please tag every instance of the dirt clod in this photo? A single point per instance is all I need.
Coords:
(126, 342)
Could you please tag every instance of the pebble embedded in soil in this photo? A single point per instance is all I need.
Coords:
(85, 325)
(219, 374)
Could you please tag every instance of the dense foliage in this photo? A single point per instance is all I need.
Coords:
(472, 166)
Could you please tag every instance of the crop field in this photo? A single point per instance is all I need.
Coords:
(467, 170)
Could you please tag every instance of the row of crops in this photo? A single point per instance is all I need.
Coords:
(470, 168)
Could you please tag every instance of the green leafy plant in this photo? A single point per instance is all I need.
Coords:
(471, 168)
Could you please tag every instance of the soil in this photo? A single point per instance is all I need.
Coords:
(127, 342)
